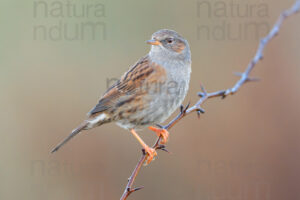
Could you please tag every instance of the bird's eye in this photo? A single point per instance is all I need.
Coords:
(169, 40)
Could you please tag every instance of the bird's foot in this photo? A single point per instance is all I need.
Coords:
(150, 154)
(160, 132)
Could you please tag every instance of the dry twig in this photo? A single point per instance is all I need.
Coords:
(244, 78)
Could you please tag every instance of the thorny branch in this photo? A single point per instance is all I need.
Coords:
(244, 78)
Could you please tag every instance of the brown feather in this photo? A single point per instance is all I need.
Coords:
(130, 88)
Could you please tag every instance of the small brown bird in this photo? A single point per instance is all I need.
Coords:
(148, 93)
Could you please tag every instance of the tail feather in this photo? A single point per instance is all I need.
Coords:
(74, 132)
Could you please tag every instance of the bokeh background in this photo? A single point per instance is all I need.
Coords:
(243, 147)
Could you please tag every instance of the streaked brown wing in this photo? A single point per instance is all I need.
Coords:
(126, 89)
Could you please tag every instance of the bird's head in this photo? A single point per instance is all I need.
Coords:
(169, 43)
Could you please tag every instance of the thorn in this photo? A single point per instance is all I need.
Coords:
(201, 110)
(144, 152)
(198, 114)
(159, 126)
(249, 79)
(163, 148)
(238, 73)
(187, 106)
(224, 95)
(203, 90)
(181, 108)
(136, 189)
(201, 94)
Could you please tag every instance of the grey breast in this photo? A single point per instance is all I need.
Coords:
(170, 94)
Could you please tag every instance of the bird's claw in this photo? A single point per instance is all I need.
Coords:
(160, 132)
(150, 155)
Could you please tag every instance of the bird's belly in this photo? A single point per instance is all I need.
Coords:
(160, 107)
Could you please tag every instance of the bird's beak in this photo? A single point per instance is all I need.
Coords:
(153, 42)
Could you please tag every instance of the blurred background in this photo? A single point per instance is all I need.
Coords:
(57, 58)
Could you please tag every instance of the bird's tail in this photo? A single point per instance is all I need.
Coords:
(74, 132)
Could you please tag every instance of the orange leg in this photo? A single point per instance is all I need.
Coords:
(163, 133)
(151, 153)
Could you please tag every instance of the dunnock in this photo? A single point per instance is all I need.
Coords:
(148, 93)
